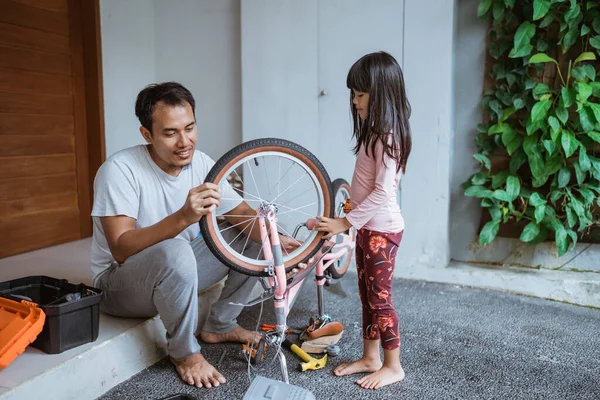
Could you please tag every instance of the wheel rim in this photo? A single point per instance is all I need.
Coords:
(341, 195)
(289, 186)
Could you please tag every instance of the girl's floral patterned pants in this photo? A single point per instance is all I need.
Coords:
(375, 260)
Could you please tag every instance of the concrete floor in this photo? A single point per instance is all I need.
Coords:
(457, 343)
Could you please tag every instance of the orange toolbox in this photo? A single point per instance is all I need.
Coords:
(20, 324)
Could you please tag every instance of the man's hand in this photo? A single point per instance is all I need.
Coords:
(201, 200)
(299, 267)
(332, 225)
(288, 243)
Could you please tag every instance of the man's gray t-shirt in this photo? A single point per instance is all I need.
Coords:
(130, 183)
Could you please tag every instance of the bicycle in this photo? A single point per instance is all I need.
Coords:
(278, 212)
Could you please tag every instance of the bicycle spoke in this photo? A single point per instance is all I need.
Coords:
(297, 196)
(252, 175)
(248, 236)
(238, 235)
(289, 187)
(295, 209)
(239, 223)
(266, 174)
(249, 194)
(284, 175)
(301, 212)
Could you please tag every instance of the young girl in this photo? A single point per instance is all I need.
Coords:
(380, 111)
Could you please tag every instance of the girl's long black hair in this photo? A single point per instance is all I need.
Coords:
(380, 75)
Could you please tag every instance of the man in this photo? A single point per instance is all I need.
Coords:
(146, 256)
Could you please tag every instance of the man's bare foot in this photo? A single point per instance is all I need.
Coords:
(358, 366)
(239, 334)
(385, 376)
(195, 370)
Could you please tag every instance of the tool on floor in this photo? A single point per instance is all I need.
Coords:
(221, 358)
(309, 362)
(324, 344)
(269, 327)
(321, 327)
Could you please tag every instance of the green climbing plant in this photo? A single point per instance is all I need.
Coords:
(538, 144)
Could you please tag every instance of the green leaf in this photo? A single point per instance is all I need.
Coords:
(499, 179)
(509, 3)
(536, 164)
(550, 146)
(584, 90)
(530, 143)
(586, 118)
(570, 38)
(509, 111)
(595, 136)
(571, 216)
(562, 114)
(517, 160)
(481, 128)
(478, 191)
(569, 143)
(484, 160)
(595, 42)
(573, 236)
(568, 96)
(584, 160)
(536, 200)
(513, 187)
(564, 176)
(495, 213)
(554, 164)
(483, 8)
(547, 20)
(539, 213)
(502, 195)
(514, 143)
(561, 241)
(556, 194)
(479, 178)
(596, 24)
(518, 103)
(541, 45)
(579, 174)
(540, 90)
(489, 232)
(588, 196)
(530, 232)
(540, 8)
(522, 39)
(486, 202)
(596, 110)
(587, 56)
(541, 58)
(573, 12)
(495, 107)
(589, 71)
(498, 12)
(585, 30)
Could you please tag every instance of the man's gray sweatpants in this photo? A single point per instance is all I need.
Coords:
(165, 279)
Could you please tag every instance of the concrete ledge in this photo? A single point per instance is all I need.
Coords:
(91, 373)
(581, 288)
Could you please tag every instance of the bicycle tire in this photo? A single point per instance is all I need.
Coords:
(249, 148)
(338, 268)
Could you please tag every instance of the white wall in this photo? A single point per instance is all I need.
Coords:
(466, 212)
(194, 42)
(198, 45)
(428, 71)
(127, 66)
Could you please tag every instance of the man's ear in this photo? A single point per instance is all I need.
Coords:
(146, 134)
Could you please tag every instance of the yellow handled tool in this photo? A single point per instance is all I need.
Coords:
(309, 362)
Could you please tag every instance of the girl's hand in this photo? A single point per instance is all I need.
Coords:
(288, 243)
(332, 225)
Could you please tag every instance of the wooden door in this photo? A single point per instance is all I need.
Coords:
(51, 139)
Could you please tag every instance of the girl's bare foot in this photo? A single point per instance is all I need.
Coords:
(239, 334)
(385, 376)
(195, 370)
(358, 366)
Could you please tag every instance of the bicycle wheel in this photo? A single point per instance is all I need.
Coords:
(341, 192)
(273, 174)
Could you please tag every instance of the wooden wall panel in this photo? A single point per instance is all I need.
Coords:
(16, 13)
